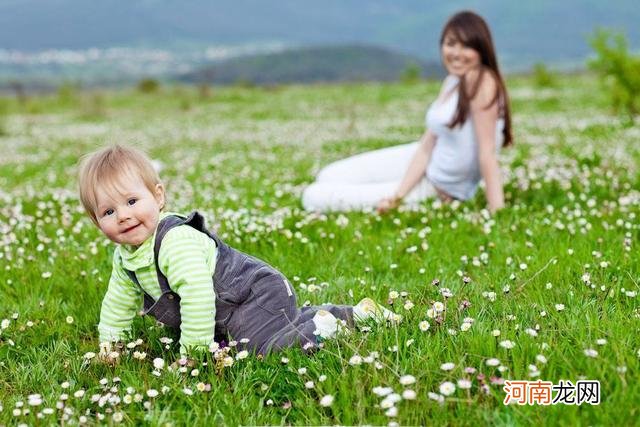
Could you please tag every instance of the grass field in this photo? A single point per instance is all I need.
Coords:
(553, 277)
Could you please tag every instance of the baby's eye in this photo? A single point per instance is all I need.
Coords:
(132, 202)
(108, 212)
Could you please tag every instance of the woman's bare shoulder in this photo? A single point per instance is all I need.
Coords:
(482, 86)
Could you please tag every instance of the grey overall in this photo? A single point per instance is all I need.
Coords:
(253, 299)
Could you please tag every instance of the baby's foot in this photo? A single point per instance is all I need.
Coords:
(326, 324)
(369, 309)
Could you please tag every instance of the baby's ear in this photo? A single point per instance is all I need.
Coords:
(159, 194)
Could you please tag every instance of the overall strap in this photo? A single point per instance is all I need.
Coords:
(195, 220)
(164, 226)
(148, 299)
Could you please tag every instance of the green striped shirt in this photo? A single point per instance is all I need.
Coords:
(187, 258)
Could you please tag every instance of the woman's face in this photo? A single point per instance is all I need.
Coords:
(458, 59)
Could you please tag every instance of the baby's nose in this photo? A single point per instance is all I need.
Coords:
(124, 214)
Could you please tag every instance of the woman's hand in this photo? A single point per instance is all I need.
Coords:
(388, 203)
(413, 175)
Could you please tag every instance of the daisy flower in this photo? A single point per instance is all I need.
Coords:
(382, 391)
(158, 363)
(407, 379)
(507, 344)
(447, 388)
(355, 360)
(447, 366)
(435, 396)
(409, 394)
(327, 400)
(492, 362)
(464, 384)
(589, 352)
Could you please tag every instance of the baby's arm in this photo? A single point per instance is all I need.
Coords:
(119, 305)
(187, 259)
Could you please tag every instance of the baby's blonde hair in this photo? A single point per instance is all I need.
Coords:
(107, 167)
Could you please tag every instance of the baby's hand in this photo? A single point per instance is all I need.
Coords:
(183, 362)
(110, 354)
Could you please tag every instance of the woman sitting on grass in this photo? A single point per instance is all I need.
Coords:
(466, 126)
(186, 276)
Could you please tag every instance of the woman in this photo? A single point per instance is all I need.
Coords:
(466, 126)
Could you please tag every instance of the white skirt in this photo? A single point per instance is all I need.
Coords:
(361, 181)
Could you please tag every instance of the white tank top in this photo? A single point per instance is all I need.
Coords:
(454, 167)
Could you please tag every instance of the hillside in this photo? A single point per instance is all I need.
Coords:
(315, 64)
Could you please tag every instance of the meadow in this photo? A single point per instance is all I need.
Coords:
(546, 289)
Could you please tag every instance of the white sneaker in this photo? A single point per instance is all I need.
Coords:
(369, 309)
(326, 324)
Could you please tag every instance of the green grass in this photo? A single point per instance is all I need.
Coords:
(242, 157)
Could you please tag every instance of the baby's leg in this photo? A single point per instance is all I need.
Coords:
(270, 319)
(313, 325)
(270, 307)
(342, 312)
(304, 330)
(295, 333)
(386, 164)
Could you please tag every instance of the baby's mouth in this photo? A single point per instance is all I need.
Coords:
(131, 228)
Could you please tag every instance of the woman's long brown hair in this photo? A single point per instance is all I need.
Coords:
(472, 31)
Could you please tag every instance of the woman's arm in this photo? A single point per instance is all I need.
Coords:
(414, 173)
(484, 122)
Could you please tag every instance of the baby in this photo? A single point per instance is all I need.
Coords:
(187, 277)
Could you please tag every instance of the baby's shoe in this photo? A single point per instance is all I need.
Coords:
(326, 324)
(369, 309)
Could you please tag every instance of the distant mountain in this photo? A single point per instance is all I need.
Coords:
(115, 42)
(314, 64)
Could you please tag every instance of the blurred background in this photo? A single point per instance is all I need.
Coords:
(44, 43)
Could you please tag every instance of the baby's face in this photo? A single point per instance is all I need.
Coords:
(129, 214)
